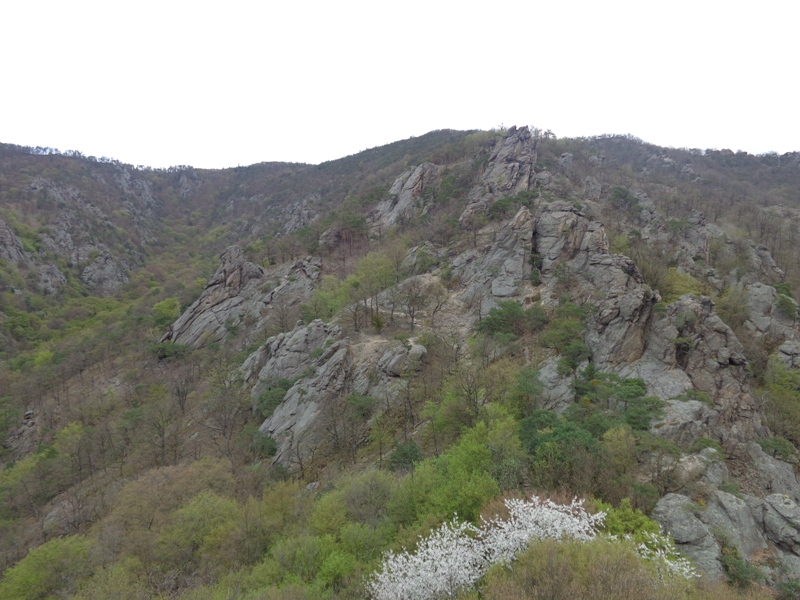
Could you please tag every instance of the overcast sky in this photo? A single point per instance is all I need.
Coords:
(234, 83)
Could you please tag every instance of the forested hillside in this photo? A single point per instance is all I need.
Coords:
(316, 381)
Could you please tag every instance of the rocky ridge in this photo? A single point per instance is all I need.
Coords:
(674, 348)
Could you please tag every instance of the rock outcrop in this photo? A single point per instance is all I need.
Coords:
(692, 537)
(317, 358)
(500, 269)
(510, 170)
(48, 276)
(240, 292)
(407, 197)
(769, 313)
(11, 248)
(222, 305)
(683, 346)
(321, 363)
(104, 275)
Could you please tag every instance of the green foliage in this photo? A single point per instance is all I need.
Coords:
(789, 590)
(166, 312)
(361, 406)
(732, 308)
(677, 226)
(732, 488)
(304, 555)
(783, 401)
(327, 300)
(626, 520)
(562, 452)
(601, 569)
(778, 447)
(787, 306)
(695, 395)
(622, 199)
(741, 573)
(627, 396)
(9, 415)
(457, 482)
(675, 284)
(565, 334)
(272, 396)
(260, 444)
(509, 317)
(54, 569)
(527, 392)
(707, 442)
(405, 456)
(784, 288)
(168, 350)
(642, 411)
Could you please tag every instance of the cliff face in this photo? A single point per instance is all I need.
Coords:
(241, 293)
(510, 169)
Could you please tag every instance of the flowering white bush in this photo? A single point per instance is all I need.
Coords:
(537, 520)
(661, 549)
(447, 560)
(456, 555)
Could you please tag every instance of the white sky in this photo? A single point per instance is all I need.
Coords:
(220, 84)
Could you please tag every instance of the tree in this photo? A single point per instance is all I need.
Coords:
(54, 569)
(166, 312)
(474, 223)
(413, 298)
(439, 296)
(376, 272)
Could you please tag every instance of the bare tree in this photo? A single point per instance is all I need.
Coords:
(413, 298)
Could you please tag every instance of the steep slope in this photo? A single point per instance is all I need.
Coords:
(385, 309)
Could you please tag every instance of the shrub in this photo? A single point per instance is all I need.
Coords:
(787, 306)
(706, 442)
(456, 555)
(778, 447)
(405, 456)
(54, 569)
(272, 397)
(508, 317)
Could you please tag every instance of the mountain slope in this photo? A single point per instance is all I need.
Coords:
(590, 314)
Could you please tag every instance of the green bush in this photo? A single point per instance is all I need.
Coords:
(508, 317)
(166, 312)
(405, 456)
(706, 442)
(272, 397)
(787, 306)
(778, 447)
(626, 520)
(54, 569)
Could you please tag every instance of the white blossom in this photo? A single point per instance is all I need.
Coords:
(449, 559)
(537, 519)
(661, 549)
(456, 555)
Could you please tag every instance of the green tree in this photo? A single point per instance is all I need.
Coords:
(54, 569)
(166, 312)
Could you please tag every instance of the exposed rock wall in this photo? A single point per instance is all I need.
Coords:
(497, 270)
(11, 248)
(406, 197)
(325, 367)
(241, 291)
(222, 303)
(510, 170)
